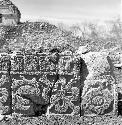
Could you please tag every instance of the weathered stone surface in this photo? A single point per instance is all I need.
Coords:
(61, 83)
(99, 87)
(33, 76)
(5, 85)
(10, 15)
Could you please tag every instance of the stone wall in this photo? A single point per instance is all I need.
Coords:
(56, 83)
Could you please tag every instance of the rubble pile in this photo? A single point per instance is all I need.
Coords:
(32, 35)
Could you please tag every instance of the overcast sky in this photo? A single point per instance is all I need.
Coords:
(68, 10)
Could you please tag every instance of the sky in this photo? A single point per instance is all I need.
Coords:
(68, 11)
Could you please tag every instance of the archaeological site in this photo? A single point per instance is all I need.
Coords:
(50, 76)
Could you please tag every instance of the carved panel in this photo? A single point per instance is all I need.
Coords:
(25, 88)
(31, 88)
(30, 62)
(53, 83)
(46, 65)
(5, 85)
(99, 96)
(65, 98)
(5, 94)
(31, 92)
(4, 62)
(17, 63)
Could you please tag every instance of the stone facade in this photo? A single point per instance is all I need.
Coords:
(9, 13)
(31, 82)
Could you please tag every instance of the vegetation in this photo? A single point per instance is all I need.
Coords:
(33, 35)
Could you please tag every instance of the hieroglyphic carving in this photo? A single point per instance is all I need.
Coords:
(4, 62)
(30, 62)
(38, 75)
(58, 82)
(17, 63)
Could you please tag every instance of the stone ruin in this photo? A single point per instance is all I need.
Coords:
(57, 84)
(9, 13)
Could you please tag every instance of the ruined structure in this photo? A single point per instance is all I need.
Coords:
(9, 13)
(46, 79)
(80, 86)
(58, 84)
